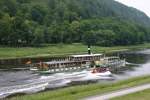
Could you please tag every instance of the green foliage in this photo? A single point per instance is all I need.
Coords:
(96, 22)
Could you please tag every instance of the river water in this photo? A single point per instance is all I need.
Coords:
(25, 81)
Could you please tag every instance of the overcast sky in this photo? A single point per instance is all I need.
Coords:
(143, 5)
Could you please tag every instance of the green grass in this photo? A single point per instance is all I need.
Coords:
(142, 95)
(81, 91)
(60, 49)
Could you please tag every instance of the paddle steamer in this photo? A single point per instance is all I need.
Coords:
(96, 63)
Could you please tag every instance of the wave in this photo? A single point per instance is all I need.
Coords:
(34, 87)
(127, 63)
(51, 81)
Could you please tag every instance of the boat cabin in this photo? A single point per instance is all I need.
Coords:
(86, 57)
(60, 64)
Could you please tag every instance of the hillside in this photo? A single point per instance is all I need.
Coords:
(102, 8)
(97, 22)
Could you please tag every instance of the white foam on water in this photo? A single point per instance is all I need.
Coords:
(52, 81)
(60, 83)
(46, 77)
(132, 64)
(6, 91)
(95, 76)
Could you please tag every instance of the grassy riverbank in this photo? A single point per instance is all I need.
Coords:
(142, 95)
(60, 49)
(81, 91)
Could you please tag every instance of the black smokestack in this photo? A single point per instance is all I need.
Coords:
(89, 49)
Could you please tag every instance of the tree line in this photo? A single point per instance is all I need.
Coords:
(23, 23)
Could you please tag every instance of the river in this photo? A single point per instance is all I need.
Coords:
(25, 81)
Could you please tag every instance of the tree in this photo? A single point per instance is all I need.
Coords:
(38, 14)
(38, 35)
(5, 29)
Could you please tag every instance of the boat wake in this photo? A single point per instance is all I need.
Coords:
(127, 63)
(95, 76)
(52, 81)
(28, 88)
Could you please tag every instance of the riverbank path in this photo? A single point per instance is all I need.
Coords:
(118, 93)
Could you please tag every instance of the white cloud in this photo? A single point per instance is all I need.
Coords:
(143, 5)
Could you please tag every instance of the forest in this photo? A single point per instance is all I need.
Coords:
(95, 22)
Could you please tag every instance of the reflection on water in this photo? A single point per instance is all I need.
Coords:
(138, 63)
